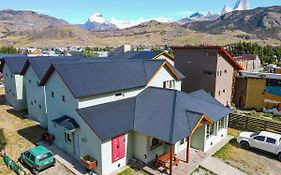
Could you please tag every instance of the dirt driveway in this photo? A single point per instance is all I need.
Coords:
(252, 162)
(21, 134)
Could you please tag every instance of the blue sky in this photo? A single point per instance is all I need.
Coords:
(78, 11)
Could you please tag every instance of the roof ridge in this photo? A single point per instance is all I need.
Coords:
(173, 117)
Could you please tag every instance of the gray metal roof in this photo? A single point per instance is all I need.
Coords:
(15, 64)
(41, 66)
(168, 115)
(92, 78)
(12, 55)
(137, 55)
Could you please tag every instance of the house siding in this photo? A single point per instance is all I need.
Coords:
(36, 98)
(15, 90)
(224, 81)
(192, 64)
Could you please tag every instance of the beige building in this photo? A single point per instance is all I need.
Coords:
(210, 68)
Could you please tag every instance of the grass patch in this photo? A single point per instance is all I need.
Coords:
(3, 140)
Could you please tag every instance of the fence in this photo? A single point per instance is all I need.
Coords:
(243, 122)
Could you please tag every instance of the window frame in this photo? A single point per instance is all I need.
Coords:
(258, 139)
(267, 138)
(154, 146)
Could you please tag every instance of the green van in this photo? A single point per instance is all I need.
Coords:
(38, 159)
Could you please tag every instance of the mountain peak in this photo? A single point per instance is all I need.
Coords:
(242, 5)
(226, 9)
(97, 17)
(196, 15)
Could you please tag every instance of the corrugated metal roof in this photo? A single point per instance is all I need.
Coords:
(168, 115)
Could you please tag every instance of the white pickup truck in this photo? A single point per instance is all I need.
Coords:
(266, 141)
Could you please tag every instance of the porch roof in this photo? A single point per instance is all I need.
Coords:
(67, 122)
(168, 115)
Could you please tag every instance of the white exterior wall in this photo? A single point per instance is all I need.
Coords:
(35, 97)
(219, 135)
(15, 90)
(161, 76)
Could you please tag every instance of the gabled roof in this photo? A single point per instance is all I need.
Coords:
(106, 76)
(41, 66)
(168, 115)
(15, 64)
(220, 49)
(142, 55)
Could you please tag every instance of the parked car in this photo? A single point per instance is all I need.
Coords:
(266, 141)
(38, 159)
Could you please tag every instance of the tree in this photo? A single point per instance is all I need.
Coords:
(9, 50)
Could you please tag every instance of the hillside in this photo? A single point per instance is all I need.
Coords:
(27, 28)
(263, 22)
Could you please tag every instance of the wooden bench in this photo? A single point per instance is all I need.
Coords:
(164, 161)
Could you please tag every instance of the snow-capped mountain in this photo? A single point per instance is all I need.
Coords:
(199, 17)
(196, 15)
(242, 5)
(97, 22)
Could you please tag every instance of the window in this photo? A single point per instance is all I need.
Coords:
(220, 73)
(270, 140)
(6, 74)
(219, 92)
(259, 138)
(119, 94)
(35, 101)
(32, 158)
(208, 72)
(63, 98)
(67, 136)
(44, 156)
(40, 106)
(222, 123)
(31, 102)
(182, 141)
(29, 81)
(11, 76)
(225, 71)
(223, 91)
(210, 130)
(169, 84)
(53, 94)
(154, 143)
(13, 94)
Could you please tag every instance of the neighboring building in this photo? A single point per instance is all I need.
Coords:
(117, 110)
(145, 55)
(210, 68)
(250, 63)
(13, 81)
(259, 91)
(33, 72)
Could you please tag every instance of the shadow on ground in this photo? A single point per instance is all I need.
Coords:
(32, 133)
(234, 143)
(19, 114)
